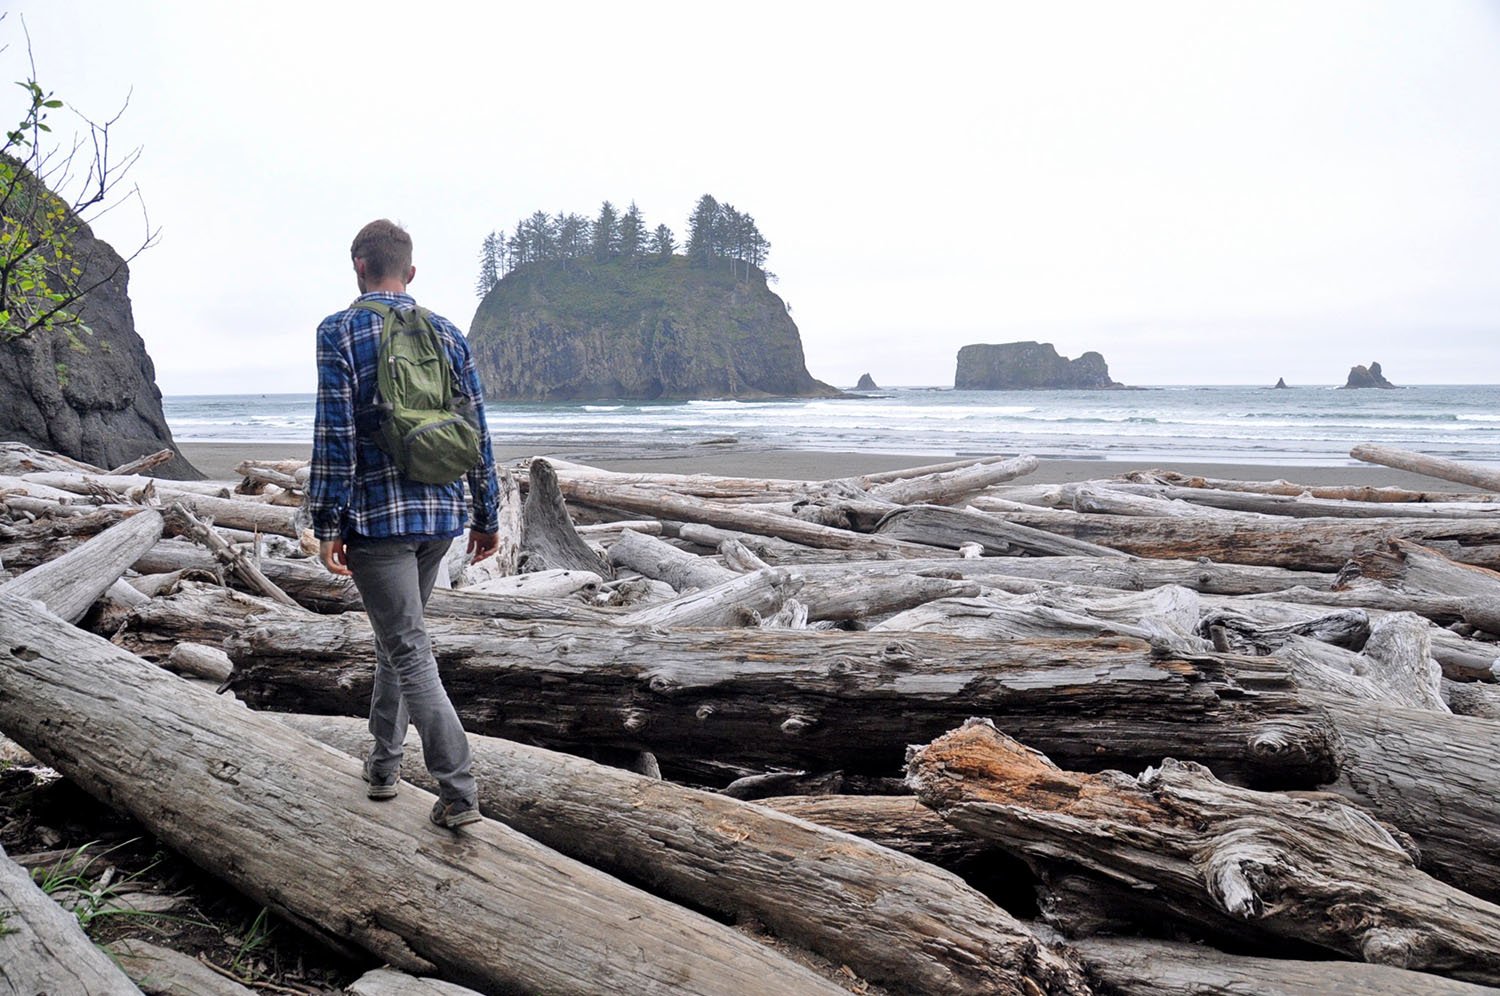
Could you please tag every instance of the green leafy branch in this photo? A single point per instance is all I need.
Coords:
(49, 194)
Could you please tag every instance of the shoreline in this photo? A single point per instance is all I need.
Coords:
(218, 459)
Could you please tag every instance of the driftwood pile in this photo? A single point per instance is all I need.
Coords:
(933, 731)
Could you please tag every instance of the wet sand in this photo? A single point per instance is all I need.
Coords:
(217, 461)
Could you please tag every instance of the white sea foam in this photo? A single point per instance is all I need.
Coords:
(1225, 423)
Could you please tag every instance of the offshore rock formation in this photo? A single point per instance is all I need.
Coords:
(564, 330)
(866, 383)
(1367, 377)
(1280, 382)
(95, 400)
(1016, 366)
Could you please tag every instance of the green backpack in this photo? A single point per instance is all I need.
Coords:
(427, 425)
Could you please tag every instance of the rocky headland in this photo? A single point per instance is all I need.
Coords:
(1019, 366)
(93, 397)
(570, 330)
(1371, 376)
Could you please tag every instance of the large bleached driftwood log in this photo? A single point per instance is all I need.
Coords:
(548, 539)
(1303, 544)
(1416, 570)
(1306, 506)
(1310, 870)
(74, 581)
(740, 601)
(1133, 967)
(950, 527)
(285, 820)
(1431, 775)
(891, 918)
(683, 508)
(899, 822)
(1431, 466)
(654, 558)
(948, 487)
(312, 587)
(1351, 492)
(202, 499)
(43, 950)
(810, 699)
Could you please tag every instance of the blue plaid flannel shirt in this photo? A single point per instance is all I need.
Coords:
(354, 487)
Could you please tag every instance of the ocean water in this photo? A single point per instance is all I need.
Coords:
(1251, 425)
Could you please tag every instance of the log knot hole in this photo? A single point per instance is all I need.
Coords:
(224, 771)
(634, 720)
(24, 653)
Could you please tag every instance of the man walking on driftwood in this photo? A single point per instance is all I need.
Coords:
(393, 440)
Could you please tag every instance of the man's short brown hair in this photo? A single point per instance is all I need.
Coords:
(385, 247)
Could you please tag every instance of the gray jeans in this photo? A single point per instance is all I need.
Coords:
(394, 578)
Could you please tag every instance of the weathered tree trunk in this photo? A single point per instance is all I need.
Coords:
(1352, 492)
(950, 527)
(1166, 616)
(1296, 868)
(1134, 967)
(653, 558)
(809, 699)
(548, 540)
(1410, 568)
(1431, 466)
(892, 919)
(312, 587)
(198, 613)
(1472, 698)
(385, 982)
(145, 463)
(43, 950)
(683, 508)
(203, 499)
(1306, 506)
(948, 487)
(741, 601)
(285, 821)
(1431, 775)
(161, 971)
(1305, 544)
(201, 661)
(74, 581)
(1399, 656)
(899, 822)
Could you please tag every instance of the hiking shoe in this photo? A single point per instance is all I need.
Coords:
(380, 787)
(452, 815)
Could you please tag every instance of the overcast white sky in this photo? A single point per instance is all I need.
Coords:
(1204, 192)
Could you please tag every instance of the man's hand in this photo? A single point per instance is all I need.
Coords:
(481, 545)
(331, 552)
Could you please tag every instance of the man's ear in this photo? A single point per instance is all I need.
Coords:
(411, 274)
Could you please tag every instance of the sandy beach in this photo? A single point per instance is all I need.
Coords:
(217, 461)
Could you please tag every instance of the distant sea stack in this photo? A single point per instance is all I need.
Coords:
(1367, 377)
(866, 383)
(1019, 366)
(638, 329)
(1280, 382)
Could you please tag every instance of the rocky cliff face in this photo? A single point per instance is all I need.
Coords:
(569, 331)
(1371, 376)
(1016, 366)
(95, 400)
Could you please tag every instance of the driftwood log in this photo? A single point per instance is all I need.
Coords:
(810, 699)
(1430, 466)
(486, 906)
(43, 950)
(161, 971)
(892, 919)
(1164, 968)
(1310, 870)
(74, 581)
